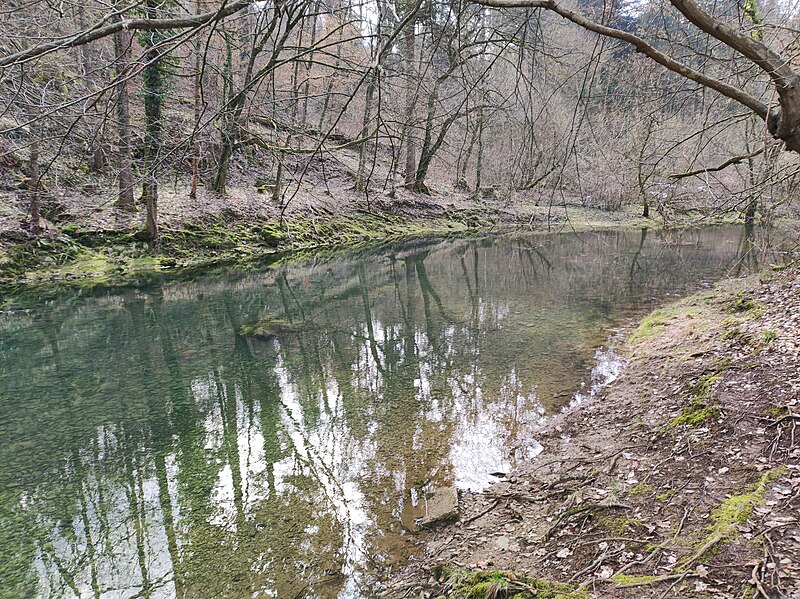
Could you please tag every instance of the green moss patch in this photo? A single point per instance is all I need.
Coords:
(702, 406)
(735, 510)
(505, 584)
(695, 413)
(626, 579)
(738, 508)
(655, 322)
(744, 303)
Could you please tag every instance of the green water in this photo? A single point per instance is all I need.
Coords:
(265, 434)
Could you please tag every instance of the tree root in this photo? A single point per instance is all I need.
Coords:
(590, 508)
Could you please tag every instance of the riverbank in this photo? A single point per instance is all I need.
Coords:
(103, 247)
(90, 241)
(681, 479)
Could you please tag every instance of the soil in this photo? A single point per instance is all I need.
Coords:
(681, 479)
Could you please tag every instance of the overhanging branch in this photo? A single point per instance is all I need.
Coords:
(96, 33)
(734, 93)
(729, 162)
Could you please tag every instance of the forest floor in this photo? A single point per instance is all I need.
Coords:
(92, 241)
(682, 479)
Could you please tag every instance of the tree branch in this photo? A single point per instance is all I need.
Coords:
(734, 93)
(96, 33)
(729, 162)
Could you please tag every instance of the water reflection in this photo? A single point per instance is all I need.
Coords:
(265, 434)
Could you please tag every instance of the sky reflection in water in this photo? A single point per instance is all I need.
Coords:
(264, 434)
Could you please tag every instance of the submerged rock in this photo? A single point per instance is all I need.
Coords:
(268, 328)
(441, 506)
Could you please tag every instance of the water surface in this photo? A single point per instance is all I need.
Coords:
(267, 434)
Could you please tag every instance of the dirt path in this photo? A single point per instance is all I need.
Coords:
(681, 480)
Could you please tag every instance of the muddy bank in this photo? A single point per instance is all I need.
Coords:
(681, 480)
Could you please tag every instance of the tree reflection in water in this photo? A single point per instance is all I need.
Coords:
(260, 434)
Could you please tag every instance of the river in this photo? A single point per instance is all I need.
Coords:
(269, 432)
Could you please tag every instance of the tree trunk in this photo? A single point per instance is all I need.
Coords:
(228, 119)
(33, 187)
(479, 166)
(154, 90)
(198, 74)
(409, 52)
(309, 64)
(461, 169)
(150, 193)
(276, 191)
(363, 151)
(122, 48)
(750, 213)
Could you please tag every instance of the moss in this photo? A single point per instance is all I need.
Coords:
(82, 258)
(777, 411)
(743, 303)
(737, 509)
(652, 324)
(667, 495)
(733, 333)
(769, 336)
(619, 526)
(624, 579)
(748, 591)
(695, 413)
(494, 584)
(702, 406)
(641, 489)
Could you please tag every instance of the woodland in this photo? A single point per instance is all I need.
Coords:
(258, 423)
(671, 106)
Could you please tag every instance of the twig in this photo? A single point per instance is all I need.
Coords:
(673, 585)
(706, 546)
(593, 566)
(777, 526)
(730, 161)
(657, 579)
(494, 504)
(686, 511)
(757, 582)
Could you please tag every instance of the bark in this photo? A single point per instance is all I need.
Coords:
(430, 145)
(363, 150)
(409, 58)
(461, 168)
(33, 187)
(98, 161)
(309, 63)
(229, 119)
(277, 189)
(198, 110)
(329, 88)
(235, 103)
(154, 90)
(479, 167)
(122, 48)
